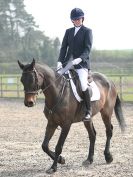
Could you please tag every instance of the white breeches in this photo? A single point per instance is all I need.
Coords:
(83, 77)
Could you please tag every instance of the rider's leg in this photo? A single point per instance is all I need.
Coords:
(87, 100)
(83, 77)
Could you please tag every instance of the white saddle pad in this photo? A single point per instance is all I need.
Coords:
(95, 91)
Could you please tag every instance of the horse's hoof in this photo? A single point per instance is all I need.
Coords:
(108, 158)
(51, 171)
(61, 160)
(87, 163)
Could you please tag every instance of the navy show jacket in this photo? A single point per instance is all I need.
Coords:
(78, 46)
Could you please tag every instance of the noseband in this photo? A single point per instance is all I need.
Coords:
(37, 87)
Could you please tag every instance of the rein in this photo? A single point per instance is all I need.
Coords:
(50, 111)
(43, 90)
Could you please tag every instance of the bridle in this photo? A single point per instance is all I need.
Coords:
(37, 87)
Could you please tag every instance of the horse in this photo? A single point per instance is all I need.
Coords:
(62, 109)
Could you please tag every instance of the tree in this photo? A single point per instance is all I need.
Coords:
(31, 43)
(20, 37)
(56, 45)
(13, 20)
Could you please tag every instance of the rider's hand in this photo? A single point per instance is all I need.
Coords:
(59, 65)
(76, 61)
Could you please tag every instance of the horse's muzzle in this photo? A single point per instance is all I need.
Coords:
(30, 101)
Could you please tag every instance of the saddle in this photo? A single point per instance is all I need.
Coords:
(76, 86)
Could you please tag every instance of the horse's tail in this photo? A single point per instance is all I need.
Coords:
(119, 114)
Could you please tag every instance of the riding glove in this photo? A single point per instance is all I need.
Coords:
(76, 61)
(59, 65)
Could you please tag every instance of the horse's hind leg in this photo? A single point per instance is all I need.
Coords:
(109, 131)
(50, 129)
(92, 137)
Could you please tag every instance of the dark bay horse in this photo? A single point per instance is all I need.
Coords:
(62, 109)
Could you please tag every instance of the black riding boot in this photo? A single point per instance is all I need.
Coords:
(86, 97)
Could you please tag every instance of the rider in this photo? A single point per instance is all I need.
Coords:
(76, 46)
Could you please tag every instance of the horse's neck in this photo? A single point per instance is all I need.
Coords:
(51, 88)
(51, 92)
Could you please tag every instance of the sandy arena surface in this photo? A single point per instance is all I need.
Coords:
(22, 132)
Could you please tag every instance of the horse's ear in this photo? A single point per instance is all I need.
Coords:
(33, 63)
(20, 65)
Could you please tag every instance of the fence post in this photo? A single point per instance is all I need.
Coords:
(18, 87)
(1, 94)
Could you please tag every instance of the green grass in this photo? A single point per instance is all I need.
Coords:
(128, 98)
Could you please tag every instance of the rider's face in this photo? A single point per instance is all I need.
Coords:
(78, 22)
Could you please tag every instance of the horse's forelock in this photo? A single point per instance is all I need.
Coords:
(27, 67)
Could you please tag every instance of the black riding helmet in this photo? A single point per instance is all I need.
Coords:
(76, 13)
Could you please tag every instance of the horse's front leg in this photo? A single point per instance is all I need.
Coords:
(59, 146)
(50, 129)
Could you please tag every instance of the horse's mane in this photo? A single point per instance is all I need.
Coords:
(43, 68)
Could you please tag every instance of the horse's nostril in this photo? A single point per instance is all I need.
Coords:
(30, 103)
